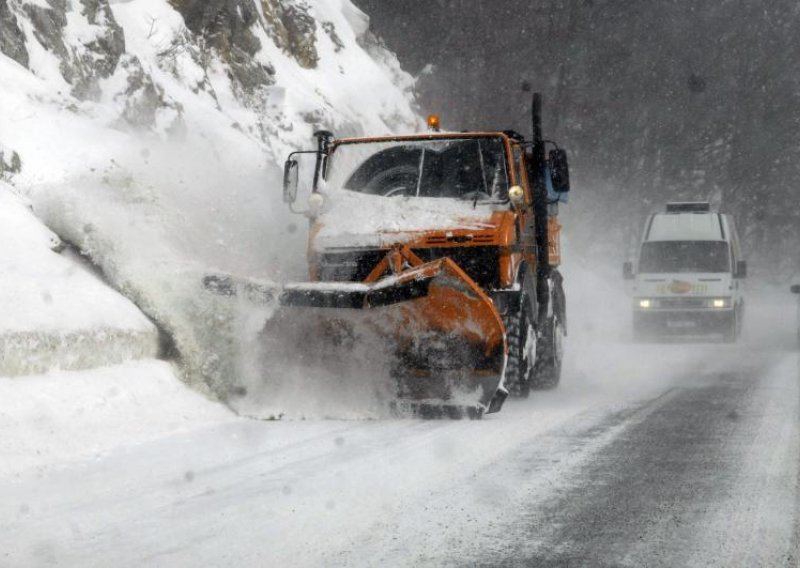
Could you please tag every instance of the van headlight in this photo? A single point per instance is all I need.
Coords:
(721, 303)
(646, 303)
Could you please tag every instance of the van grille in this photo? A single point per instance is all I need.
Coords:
(682, 303)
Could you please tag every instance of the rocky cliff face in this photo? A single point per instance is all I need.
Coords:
(266, 57)
(12, 40)
(87, 56)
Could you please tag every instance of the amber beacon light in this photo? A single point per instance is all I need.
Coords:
(433, 122)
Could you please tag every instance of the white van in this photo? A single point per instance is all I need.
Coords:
(688, 274)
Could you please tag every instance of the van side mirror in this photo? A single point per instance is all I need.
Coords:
(291, 178)
(627, 270)
(559, 168)
(741, 269)
(795, 289)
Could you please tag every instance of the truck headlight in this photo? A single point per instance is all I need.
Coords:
(645, 303)
(721, 303)
(517, 195)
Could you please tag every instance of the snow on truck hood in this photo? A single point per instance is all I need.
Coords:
(357, 220)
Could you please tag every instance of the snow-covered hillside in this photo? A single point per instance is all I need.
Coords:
(148, 133)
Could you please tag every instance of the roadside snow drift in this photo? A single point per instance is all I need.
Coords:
(56, 312)
(51, 419)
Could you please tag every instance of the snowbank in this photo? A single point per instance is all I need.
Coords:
(50, 419)
(56, 312)
(58, 315)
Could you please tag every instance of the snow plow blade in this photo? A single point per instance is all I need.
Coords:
(444, 337)
(253, 290)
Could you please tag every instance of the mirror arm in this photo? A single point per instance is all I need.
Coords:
(323, 143)
(302, 152)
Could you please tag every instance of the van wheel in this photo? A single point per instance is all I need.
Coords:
(521, 338)
(731, 331)
(547, 372)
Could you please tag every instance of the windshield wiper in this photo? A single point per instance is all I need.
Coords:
(419, 173)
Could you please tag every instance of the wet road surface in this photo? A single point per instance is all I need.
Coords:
(647, 455)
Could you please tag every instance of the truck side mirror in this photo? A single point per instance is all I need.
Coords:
(560, 170)
(291, 178)
(627, 270)
(741, 269)
(795, 289)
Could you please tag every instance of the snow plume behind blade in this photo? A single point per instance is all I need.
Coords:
(297, 367)
(155, 225)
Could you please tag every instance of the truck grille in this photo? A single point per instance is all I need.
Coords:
(479, 262)
(478, 239)
(351, 266)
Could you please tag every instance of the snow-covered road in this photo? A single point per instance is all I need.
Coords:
(657, 455)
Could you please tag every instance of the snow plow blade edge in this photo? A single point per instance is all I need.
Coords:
(347, 296)
(445, 332)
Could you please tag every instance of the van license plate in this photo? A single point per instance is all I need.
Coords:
(681, 324)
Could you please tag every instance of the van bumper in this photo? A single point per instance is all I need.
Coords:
(682, 322)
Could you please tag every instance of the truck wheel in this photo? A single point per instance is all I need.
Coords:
(547, 372)
(521, 338)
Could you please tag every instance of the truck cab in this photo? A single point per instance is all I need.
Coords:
(441, 194)
(688, 275)
(444, 246)
(475, 198)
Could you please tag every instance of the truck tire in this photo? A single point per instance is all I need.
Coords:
(547, 371)
(521, 338)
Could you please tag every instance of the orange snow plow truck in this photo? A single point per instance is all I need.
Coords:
(445, 247)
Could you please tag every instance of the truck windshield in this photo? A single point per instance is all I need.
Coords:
(684, 256)
(462, 168)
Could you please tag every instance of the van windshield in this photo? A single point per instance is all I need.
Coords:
(460, 168)
(684, 256)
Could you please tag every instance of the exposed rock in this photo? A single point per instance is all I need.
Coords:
(101, 55)
(248, 73)
(301, 28)
(12, 40)
(145, 101)
(293, 29)
(330, 29)
(48, 27)
(10, 163)
(225, 25)
(94, 58)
